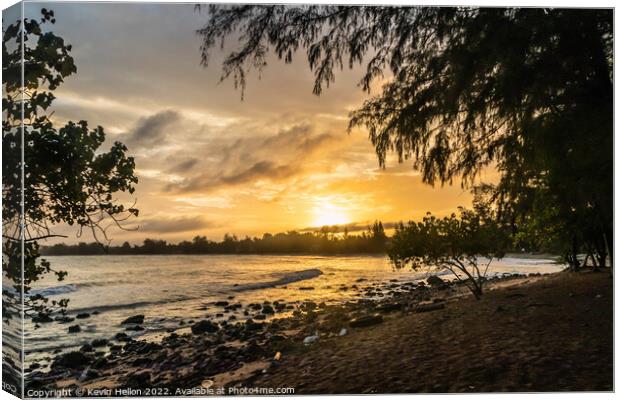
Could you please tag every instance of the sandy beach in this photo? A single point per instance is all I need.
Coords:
(527, 333)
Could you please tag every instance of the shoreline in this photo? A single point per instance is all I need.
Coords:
(237, 353)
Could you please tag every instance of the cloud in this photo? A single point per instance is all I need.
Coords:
(246, 160)
(262, 169)
(185, 166)
(174, 225)
(152, 130)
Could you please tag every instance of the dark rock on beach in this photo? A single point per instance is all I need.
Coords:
(136, 319)
(42, 319)
(72, 360)
(122, 337)
(205, 326)
(99, 342)
(434, 280)
(82, 316)
(74, 329)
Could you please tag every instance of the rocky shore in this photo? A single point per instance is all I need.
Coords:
(333, 348)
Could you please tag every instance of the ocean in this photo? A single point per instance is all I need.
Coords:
(173, 290)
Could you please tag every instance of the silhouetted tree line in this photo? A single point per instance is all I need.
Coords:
(329, 240)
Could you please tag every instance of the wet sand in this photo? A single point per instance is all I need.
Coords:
(552, 334)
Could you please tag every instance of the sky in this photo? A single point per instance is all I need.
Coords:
(210, 163)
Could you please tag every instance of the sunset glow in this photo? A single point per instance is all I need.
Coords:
(328, 214)
(209, 163)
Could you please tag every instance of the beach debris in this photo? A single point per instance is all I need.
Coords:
(343, 332)
(136, 319)
(82, 315)
(311, 339)
(74, 329)
(278, 356)
(205, 326)
(366, 320)
(429, 307)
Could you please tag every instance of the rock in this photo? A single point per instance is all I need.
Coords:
(99, 342)
(134, 328)
(72, 360)
(261, 317)
(138, 380)
(267, 310)
(42, 318)
(74, 329)
(306, 288)
(136, 319)
(63, 319)
(389, 307)
(205, 326)
(250, 325)
(221, 303)
(34, 365)
(366, 320)
(87, 348)
(99, 363)
(311, 339)
(434, 280)
(343, 332)
(82, 315)
(429, 307)
(122, 337)
(308, 306)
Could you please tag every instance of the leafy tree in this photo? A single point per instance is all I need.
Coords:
(457, 243)
(526, 91)
(67, 177)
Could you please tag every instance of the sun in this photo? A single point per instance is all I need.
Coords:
(329, 214)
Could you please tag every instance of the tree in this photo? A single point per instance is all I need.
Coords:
(527, 91)
(457, 243)
(67, 177)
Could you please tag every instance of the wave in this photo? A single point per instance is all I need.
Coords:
(285, 279)
(72, 287)
(111, 307)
